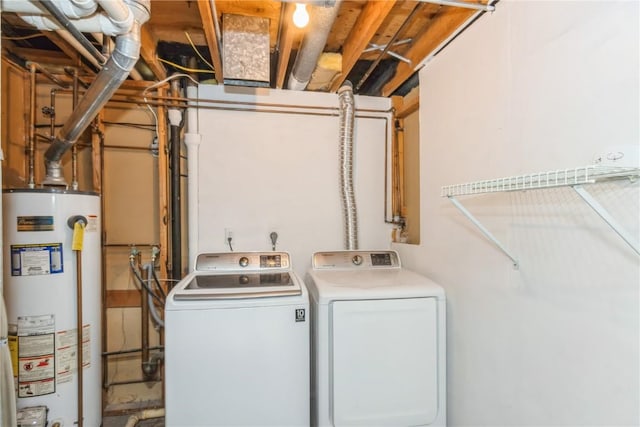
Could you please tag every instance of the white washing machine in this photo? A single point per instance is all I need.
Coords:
(378, 342)
(237, 343)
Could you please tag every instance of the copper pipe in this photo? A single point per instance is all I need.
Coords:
(79, 330)
(49, 74)
(52, 123)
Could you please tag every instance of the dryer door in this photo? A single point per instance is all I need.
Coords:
(384, 368)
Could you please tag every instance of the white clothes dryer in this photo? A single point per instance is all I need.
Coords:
(237, 343)
(378, 342)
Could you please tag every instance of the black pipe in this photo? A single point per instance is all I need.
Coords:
(64, 22)
(176, 220)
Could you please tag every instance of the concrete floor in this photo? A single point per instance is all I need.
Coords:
(121, 421)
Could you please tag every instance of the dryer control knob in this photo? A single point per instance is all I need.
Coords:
(357, 259)
(244, 261)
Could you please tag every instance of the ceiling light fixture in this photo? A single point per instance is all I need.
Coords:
(300, 16)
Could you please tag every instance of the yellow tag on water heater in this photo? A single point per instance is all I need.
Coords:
(78, 236)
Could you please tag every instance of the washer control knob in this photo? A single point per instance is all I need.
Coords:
(357, 259)
(244, 261)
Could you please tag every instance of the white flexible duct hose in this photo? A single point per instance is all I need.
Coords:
(350, 214)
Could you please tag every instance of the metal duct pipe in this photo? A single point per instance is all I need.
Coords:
(108, 80)
(322, 19)
(350, 213)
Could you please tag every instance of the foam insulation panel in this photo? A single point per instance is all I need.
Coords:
(245, 50)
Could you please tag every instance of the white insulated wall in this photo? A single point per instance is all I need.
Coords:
(266, 171)
(535, 86)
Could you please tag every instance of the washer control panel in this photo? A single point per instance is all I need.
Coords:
(355, 260)
(243, 261)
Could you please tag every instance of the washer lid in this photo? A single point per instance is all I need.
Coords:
(204, 285)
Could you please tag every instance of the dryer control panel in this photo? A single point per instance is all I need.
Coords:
(349, 260)
(243, 261)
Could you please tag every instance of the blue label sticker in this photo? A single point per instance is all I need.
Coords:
(36, 259)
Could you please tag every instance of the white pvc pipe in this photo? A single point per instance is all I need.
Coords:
(192, 141)
(73, 9)
(119, 13)
(144, 415)
(66, 35)
(98, 22)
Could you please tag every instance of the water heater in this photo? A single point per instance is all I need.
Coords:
(41, 290)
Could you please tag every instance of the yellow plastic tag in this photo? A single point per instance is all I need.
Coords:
(78, 236)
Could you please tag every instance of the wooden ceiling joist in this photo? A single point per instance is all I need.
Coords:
(206, 14)
(287, 38)
(148, 53)
(430, 39)
(368, 22)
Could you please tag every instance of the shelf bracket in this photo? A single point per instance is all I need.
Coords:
(606, 216)
(484, 231)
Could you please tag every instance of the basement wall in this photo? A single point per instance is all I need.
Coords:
(533, 87)
(265, 171)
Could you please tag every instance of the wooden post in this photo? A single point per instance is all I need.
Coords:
(163, 185)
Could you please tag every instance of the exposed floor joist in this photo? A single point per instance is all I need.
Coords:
(206, 14)
(366, 26)
(428, 41)
(148, 53)
(287, 38)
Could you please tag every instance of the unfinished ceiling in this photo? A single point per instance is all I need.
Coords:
(377, 45)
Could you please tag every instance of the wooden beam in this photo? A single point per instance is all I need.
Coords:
(288, 35)
(42, 56)
(69, 50)
(123, 298)
(148, 53)
(206, 14)
(163, 185)
(436, 33)
(409, 104)
(368, 22)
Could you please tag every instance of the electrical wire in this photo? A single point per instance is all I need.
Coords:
(188, 70)
(197, 51)
(30, 36)
(160, 83)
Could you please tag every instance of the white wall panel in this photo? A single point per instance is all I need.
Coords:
(534, 86)
(263, 172)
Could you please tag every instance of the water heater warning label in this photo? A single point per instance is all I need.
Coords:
(36, 259)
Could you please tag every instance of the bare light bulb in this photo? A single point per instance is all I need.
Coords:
(300, 16)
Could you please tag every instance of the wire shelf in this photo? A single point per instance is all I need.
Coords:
(533, 181)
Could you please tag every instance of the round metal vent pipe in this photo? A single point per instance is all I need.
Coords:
(108, 80)
(321, 21)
